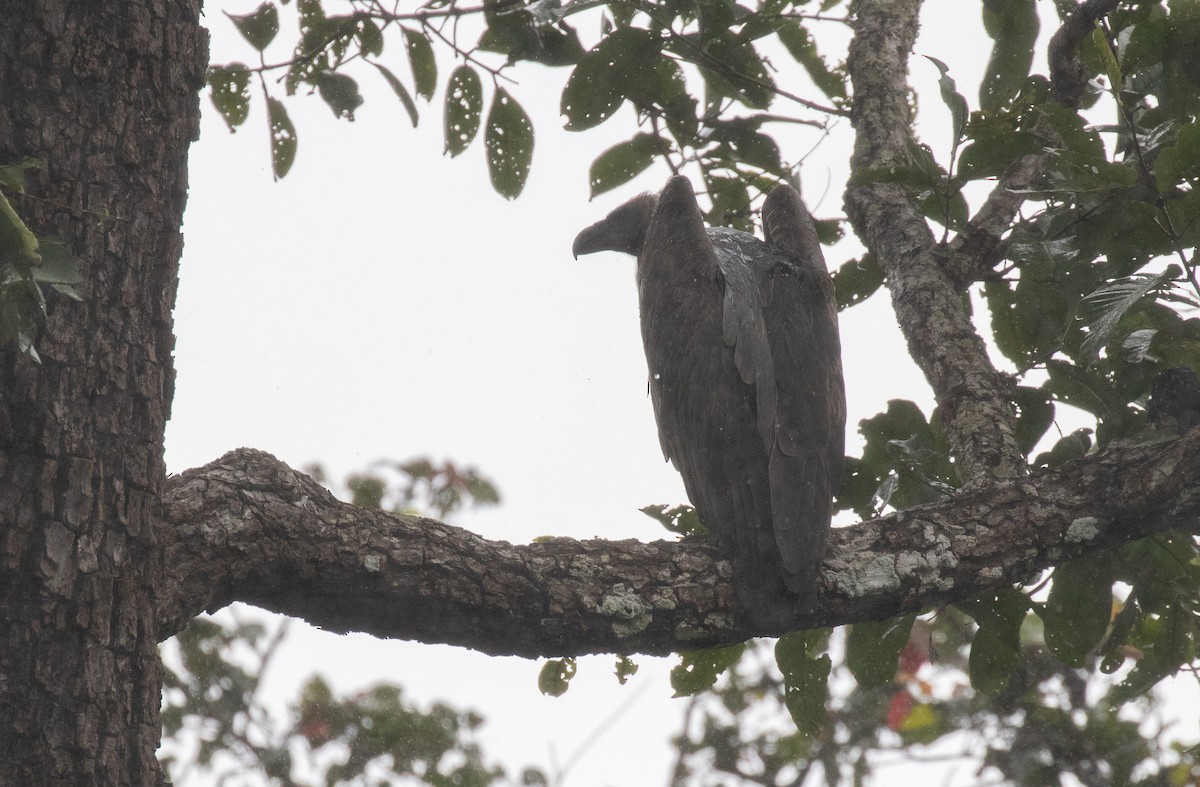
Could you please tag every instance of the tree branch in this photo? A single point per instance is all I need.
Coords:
(970, 393)
(248, 528)
(1068, 79)
(977, 249)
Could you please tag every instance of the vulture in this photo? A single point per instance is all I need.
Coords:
(744, 360)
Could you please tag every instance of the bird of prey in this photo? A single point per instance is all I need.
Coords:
(745, 368)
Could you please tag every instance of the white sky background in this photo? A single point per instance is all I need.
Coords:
(382, 301)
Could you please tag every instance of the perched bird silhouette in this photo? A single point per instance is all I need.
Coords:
(745, 367)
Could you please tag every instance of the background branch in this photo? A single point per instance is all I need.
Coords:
(970, 393)
(976, 250)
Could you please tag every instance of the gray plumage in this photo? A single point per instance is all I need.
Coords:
(745, 369)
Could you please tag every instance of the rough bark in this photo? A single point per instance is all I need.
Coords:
(249, 528)
(970, 393)
(81, 434)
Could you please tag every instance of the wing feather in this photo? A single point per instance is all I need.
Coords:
(806, 460)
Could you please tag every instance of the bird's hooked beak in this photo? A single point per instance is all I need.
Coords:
(589, 240)
(623, 230)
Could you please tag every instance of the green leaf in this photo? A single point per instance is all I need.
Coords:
(509, 143)
(732, 68)
(524, 35)
(229, 88)
(1079, 607)
(1035, 413)
(953, 100)
(857, 280)
(598, 85)
(996, 646)
(1112, 69)
(625, 669)
(283, 138)
(698, 670)
(59, 268)
(17, 241)
(805, 678)
(1110, 302)
(1180, 161)
(339, 91)
(730, 201)
(681, 520)
(800, 45)
(401, 92)
(623, 162)
(423, 63)
(260, 27)
(881, 473)
(555, 676)
(1173, 645)
(988, 156)
(370, 37)
(1013, 26)
(745, 143)
(464, 105)
(873, 648)
(12, 176)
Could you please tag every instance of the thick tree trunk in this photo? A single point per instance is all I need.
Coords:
(107, 95)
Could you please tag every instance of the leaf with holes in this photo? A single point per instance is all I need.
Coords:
(283, 138)
(339, 91)
(229, 88)
(464, 105)
(698, 670)
(260, 27)
(623, 62)
(509, 143)
(555, 676)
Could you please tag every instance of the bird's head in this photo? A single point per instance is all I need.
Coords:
(624, 229)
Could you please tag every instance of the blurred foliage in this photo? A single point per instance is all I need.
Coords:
(419, 486)
(217, 726)
(1091, 297)
(1047, 723)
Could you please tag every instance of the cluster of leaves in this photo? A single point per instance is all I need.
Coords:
(212, 701)
(660, 58)
(908, 698)
(417, 486)
(216, 724)
(27, 261)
